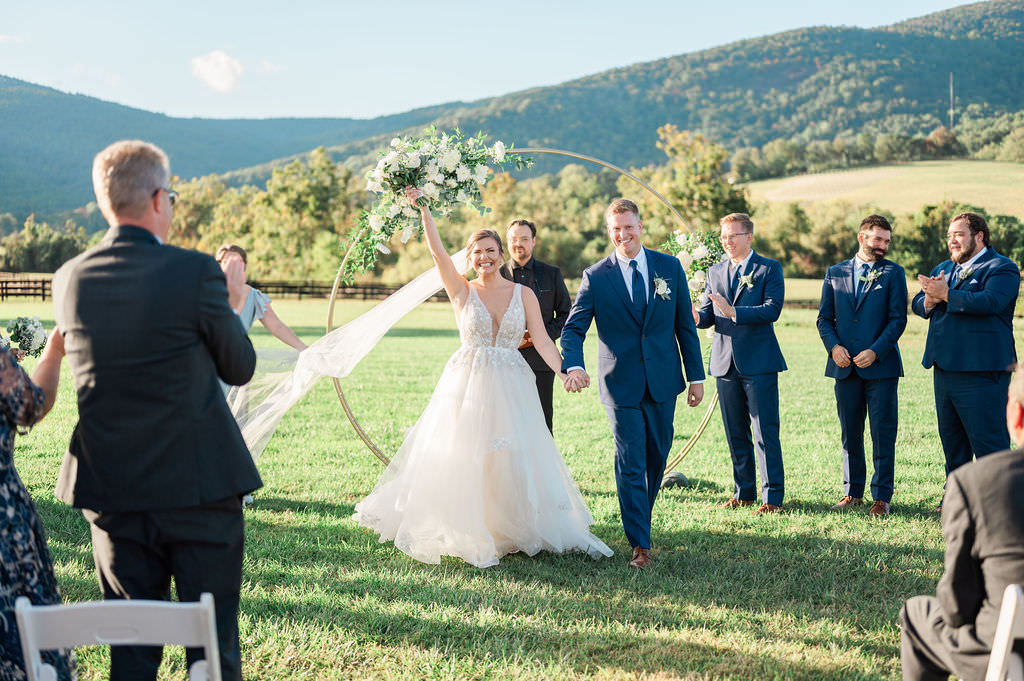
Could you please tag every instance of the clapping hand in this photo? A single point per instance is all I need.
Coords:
(723, 306)
(936, 289)
(576, 381)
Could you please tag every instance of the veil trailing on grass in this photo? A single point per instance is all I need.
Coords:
(283, 376)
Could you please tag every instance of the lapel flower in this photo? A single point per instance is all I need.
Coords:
(964, 273)
(747, 280)
(871, 276)
(661, 288)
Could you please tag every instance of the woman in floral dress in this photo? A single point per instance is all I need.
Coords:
(25, 565)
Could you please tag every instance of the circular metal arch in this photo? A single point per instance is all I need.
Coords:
(375, 450)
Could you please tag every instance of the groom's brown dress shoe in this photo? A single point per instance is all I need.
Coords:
(736, 503)
(879, 509)
(848, 501)
(641, 557)
(767, 509)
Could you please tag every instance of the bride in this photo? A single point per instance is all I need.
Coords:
(479, 475)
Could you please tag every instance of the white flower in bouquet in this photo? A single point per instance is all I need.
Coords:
(685, 259)
(499, 152)
(682, 239)
(432, 173)
(382, 248)
(29, 334)
(431, 190)
(376, 221)
(394, 209)
(461, 197)
(407, 233)
(461, 173)
(412, 161)
(450, 182)
(482, 171)
(450, 160)
(396, 142)
(410, 212)
(700, 252)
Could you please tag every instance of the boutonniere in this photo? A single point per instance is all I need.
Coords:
(871, 276)
(661, 288)
(964, 273)
(747, 280)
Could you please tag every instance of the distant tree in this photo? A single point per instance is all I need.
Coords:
(38, 247)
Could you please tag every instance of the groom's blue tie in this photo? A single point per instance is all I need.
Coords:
(734, 282)
(862, 281)
(639, 290)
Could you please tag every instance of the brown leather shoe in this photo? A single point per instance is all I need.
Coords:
(736, 503)
(641, 558)
(879, 509)
(766, 509)
(848, 501)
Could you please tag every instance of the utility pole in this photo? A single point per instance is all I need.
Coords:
(951, 101)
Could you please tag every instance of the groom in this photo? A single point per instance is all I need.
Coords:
(641, 304)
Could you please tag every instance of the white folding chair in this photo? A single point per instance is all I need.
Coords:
(51, 627)
(1004, 664)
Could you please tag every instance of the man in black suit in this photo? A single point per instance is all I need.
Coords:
(547, 282)
(983, 523)
(156, 462)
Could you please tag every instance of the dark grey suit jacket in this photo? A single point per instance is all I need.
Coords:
(983, 522)
(147, 329)
(552, 295)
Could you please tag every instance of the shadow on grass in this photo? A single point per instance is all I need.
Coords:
(799, 589)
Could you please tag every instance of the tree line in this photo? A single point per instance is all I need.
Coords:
(297, 226)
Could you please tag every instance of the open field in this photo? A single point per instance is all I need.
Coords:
(905, 188)
(808, 594)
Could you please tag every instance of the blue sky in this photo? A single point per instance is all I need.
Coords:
(256, 59)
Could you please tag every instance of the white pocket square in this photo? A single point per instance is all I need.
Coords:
(973, 281)
(877, 287)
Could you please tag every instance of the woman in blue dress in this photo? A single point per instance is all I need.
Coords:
(26, 568)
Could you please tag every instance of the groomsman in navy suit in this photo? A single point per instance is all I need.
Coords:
(743, 298)
(968, 301)
(862, 314)
(645, 338)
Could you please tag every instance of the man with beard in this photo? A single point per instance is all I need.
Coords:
(968, 301)
(547, 282)
(862, 314)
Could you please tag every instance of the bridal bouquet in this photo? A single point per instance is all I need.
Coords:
(697, 252)
(449, 168)
(28, 333)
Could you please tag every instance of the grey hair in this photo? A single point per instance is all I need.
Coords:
(125, 175)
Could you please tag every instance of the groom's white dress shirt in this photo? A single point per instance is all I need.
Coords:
(627, 271)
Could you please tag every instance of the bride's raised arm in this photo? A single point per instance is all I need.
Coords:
(455, 285)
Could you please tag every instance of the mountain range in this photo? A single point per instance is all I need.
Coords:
(806, 84)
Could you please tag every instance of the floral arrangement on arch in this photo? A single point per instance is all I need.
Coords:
(697, 252)
(450, 168)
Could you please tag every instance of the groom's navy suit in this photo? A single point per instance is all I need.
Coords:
(640, 373)
(868, 315)
(746, 361)
(970, 345)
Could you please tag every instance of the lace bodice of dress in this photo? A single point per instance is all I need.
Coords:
(475, 328)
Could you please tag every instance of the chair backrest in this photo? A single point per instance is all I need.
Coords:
(128, 622)
(1009, 627)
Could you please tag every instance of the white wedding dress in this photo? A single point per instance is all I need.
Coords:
(479, 475)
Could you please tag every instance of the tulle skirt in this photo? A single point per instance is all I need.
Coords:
(479, 476)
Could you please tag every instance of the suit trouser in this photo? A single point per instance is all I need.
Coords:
(931, 649)
(643, 437)
(136, 554)
(753, 401)
(875, 398)
(545, 390)
(971, 411)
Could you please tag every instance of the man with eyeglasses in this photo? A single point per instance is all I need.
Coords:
(156, 462)
(743, 297)
(547, 282)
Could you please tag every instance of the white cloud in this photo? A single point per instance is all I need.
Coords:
(11, 39)
(270, 67)
(218, 70)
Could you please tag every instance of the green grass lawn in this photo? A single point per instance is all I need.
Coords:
(905, 188)
(808, 594)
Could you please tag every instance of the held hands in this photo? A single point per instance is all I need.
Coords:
(576, 381)
(723, 306)
(527, 342)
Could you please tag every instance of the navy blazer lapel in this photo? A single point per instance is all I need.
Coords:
(858, 301)
(746, 270)
(650, 287)
(988, 255)
(619, 284)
